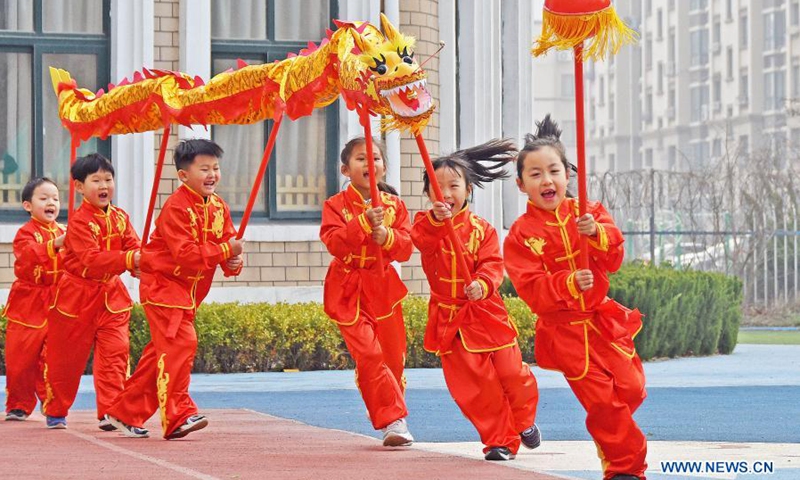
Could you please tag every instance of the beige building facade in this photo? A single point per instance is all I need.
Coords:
(483, 80)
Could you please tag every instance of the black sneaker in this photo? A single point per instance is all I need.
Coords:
(16, 415)
(125, 429)
(531, 437)
(624, 476)
(193, 423)
(499, 453)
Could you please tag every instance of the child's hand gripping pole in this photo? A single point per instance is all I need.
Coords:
(437, 192)
(583, 259)
(262, 169)
(375, 198)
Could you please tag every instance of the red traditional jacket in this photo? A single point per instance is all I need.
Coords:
(189, 241)
(483, 325)
(541, 257)
(99, 246)
(38, 266)
(353, 282)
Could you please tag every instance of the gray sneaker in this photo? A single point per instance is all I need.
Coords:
(396, 434)
(127, 430)
(192, 424)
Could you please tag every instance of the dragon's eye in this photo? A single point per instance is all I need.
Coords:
(380, 65)
(406, 56)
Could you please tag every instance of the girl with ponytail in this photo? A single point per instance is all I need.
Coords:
(579, 331)
(468, 325)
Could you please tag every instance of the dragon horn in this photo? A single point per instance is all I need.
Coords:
(58, 76)
(363, 45)
(388, 29)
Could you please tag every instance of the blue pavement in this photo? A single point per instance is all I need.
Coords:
(749, 396)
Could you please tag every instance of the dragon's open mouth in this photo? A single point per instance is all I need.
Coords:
(409, 99)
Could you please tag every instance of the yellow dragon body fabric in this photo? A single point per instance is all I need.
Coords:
(368, 68)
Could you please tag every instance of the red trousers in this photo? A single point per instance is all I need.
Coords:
(611, 391)
(25, 351)
(379, 351)
(69, 342)
(496, 391)
(161, 379)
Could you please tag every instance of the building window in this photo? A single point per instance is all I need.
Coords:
(743, 29)
(699, 95)
(744, 146)
(659, 24)
(698, 44)
(795, 13)
(602, 84)
(796, 79)
(744, 90)
(660, 79)
(729, 63)
(35, 35)
(611, 108)
(774, 30)
(302, 172)
(774, 91)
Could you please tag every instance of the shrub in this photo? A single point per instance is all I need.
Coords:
(687, 313)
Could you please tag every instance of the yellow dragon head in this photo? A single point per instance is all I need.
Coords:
(395, 82)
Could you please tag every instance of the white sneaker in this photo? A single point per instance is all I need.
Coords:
(396, 434)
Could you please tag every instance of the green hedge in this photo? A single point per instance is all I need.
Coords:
(687, 313)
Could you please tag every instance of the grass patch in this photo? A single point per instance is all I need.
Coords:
(769, 337)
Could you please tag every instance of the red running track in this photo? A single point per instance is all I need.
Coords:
(237, 444)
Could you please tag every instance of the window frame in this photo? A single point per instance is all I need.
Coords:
(269, 50)
(38, 44)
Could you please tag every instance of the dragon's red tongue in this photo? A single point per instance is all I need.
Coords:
(410, 102)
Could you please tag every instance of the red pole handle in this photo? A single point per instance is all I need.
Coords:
(75, 142)
(156, 180)
(437, 192)
(581, 141)
(273, 135)
(375, 198)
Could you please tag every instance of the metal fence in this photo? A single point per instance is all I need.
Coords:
(735, 219)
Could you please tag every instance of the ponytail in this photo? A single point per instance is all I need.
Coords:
(480, 164)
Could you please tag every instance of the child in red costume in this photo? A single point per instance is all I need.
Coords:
(365, 304)
(194, 234)
(468, 325)
(580, 331)
(91, 306)
(37, 267)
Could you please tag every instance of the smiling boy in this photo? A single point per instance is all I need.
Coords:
(37, 266)
(91, 306)
(194, 234)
